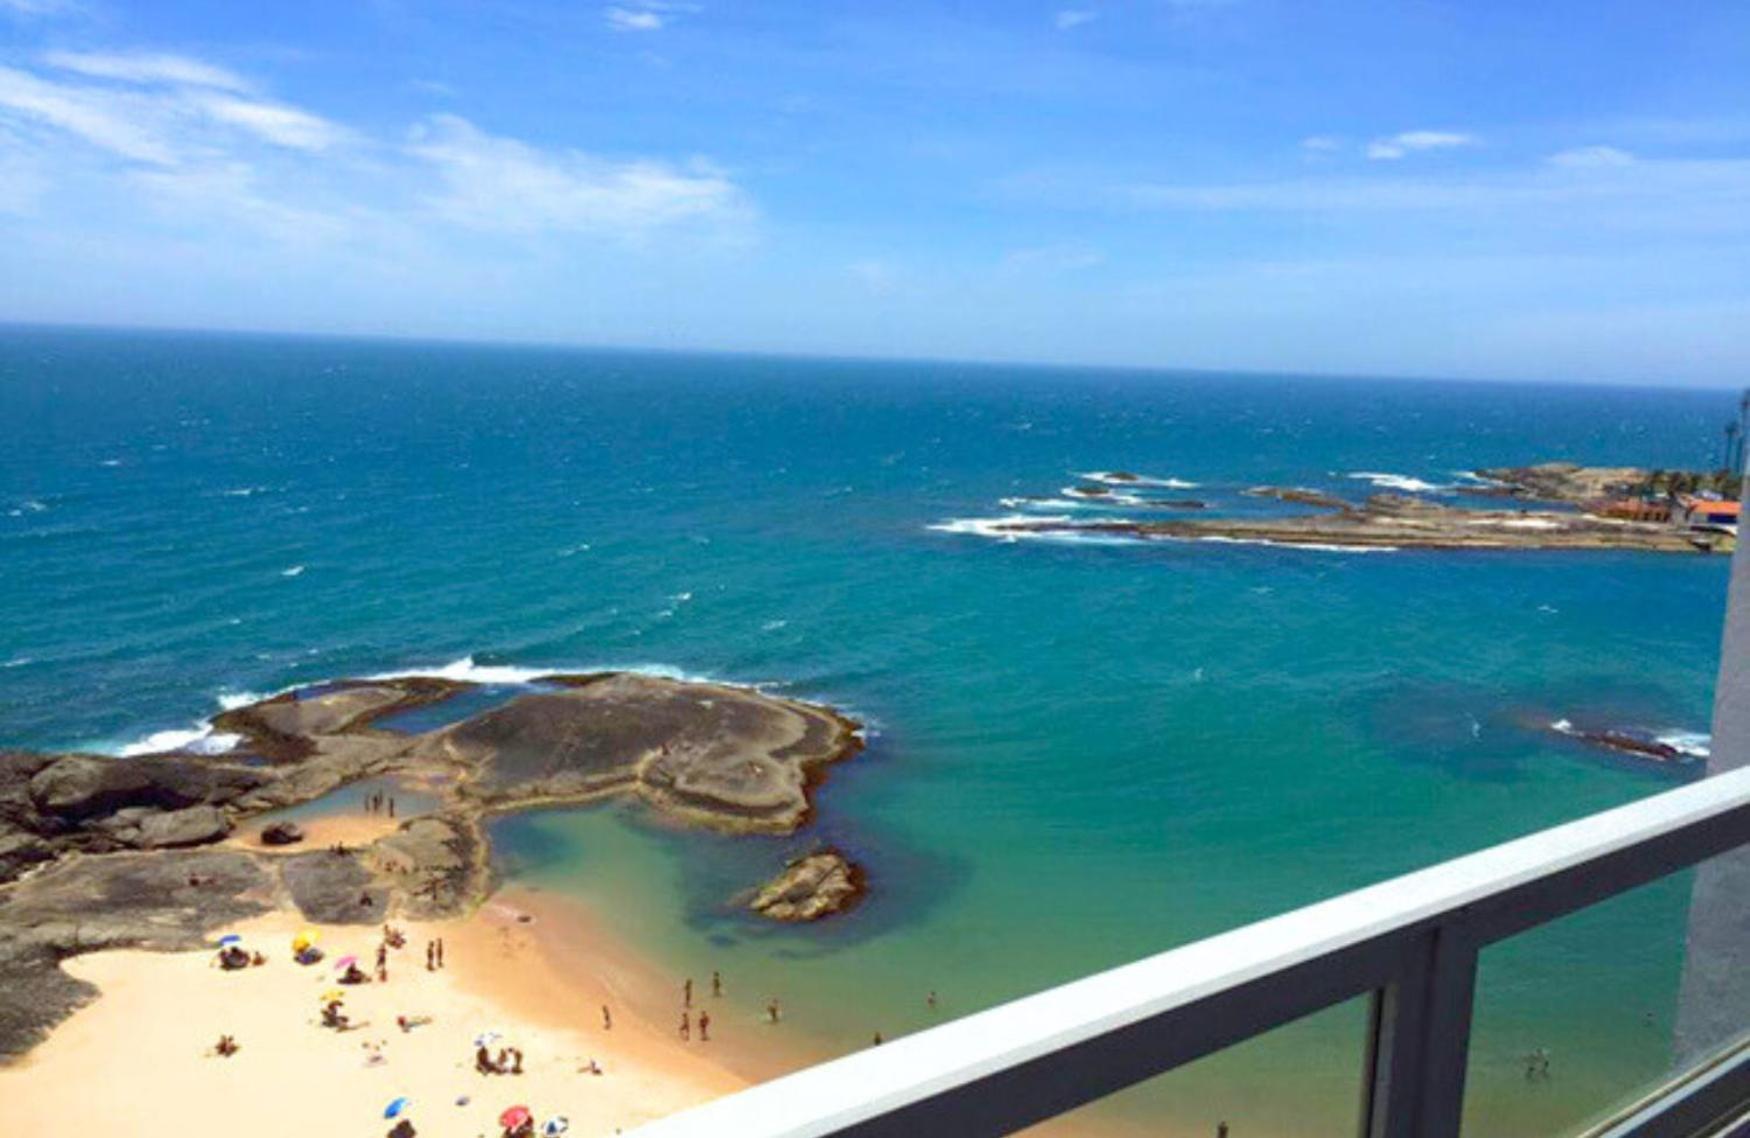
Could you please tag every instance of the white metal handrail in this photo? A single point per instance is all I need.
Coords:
(1411, 941)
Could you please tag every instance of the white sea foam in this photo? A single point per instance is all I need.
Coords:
(467, 670)
(1091, 498)
(294, 571)
(244, 492)
(1110, 478)
(574, 550)
(16, 662)
(199, 740)
(681, 598)
(998, 528)
(1695, 744)
(773, 625)
(1388, 481)
(1004, 529)
(1315, 546)
(231, 701)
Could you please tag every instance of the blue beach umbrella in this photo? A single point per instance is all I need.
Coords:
(555, 1127)
(229, 939)
(397, 1108)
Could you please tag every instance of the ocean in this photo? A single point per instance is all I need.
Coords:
(1080, 752)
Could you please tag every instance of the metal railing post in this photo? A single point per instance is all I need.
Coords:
(1419, 1041)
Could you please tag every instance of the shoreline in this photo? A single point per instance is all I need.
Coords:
(531, 964)
(147, 1037)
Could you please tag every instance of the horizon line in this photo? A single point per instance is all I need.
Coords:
(407, 339)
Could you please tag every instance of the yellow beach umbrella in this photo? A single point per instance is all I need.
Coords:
(303, 940)
(333, 995)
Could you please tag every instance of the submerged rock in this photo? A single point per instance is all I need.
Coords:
(811, 887)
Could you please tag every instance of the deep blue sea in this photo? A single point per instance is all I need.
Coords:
(1081, 753)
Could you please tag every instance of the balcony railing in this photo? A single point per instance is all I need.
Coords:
(1411, 944)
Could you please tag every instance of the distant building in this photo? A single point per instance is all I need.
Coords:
(1633, 509)
(1706, 513)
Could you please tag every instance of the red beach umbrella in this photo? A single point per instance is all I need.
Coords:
(515, 1117)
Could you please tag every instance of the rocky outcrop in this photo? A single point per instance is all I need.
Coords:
(727, 757)
(79, 787)
(438, 864)
(195, 826)
(1565, 481)
(335, 888)
(94, 851)
(1300, 497)
(810, 888)
(1396, 521)
(169, 899)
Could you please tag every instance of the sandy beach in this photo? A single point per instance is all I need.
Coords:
(139, 1060)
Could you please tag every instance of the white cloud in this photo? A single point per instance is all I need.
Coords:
(145, 68)
(507, 185)
(119, 122)
(273, 122)
(1320, 144)
(1067, 18)
(633, 20)
(1411, 141)
(1592, 157)
(168, 109)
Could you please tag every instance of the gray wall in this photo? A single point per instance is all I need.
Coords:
(1715, 1002)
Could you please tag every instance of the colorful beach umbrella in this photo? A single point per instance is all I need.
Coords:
(514, 1117)
(487, 1038)
(333, 996)
(304, 940)
(397, 1108)
(229, 939)
(345, 962)
(555, 1127)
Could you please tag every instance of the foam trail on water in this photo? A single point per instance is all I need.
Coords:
(1696, 744)
(200, 740)
(1388, 481)
(1117, 478)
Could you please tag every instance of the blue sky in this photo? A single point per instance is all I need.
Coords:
(1553, 190)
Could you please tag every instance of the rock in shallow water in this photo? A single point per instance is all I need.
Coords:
(810, 888)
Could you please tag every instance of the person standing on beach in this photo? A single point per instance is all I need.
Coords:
(686, 1026)
(440, 951)
(391, 807)
(430, 955)
(607, 1019)
(687, 993)
(772, 1010)
(704, 1027)
(716, 983)
(931, 999)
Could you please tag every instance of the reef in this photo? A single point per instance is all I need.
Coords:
(99, 852)
(1393, 521)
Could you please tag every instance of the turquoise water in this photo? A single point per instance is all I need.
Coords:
(1080, 754)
